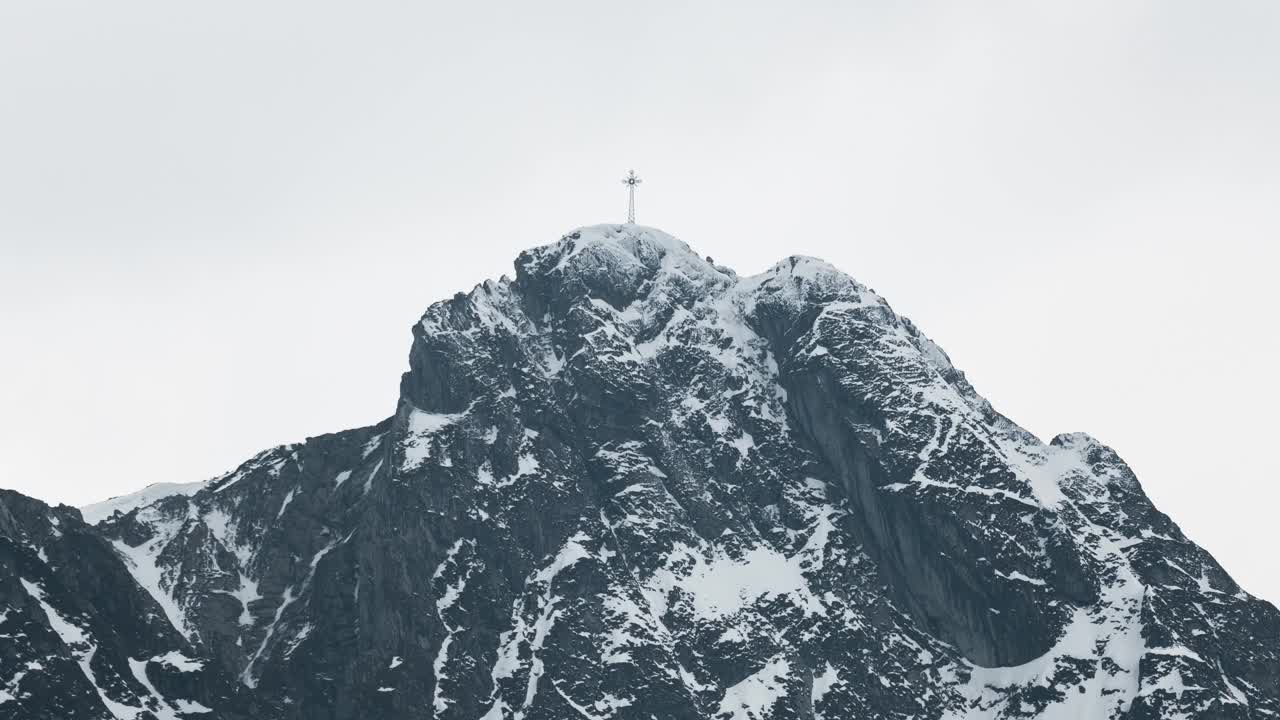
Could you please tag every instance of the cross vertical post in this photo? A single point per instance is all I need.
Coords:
(631, 181)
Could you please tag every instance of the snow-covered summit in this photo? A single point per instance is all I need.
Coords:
(801, 279)
(588, 248)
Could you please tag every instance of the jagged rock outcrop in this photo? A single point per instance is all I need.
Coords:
(80, 639)
(629, 483)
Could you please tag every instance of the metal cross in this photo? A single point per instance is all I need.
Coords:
(631, 181)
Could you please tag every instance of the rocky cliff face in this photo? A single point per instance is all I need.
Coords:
(80, 639)
(628, 483)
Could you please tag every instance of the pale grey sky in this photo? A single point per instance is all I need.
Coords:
(218, 221)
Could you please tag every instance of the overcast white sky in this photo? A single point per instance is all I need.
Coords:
(219, 220)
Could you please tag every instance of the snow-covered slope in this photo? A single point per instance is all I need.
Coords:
(97, 512)
(629, 483)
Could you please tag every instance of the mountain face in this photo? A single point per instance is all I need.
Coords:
(629, 483)
(79, 638)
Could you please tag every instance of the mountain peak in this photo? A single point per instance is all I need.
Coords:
(630, 483)
(617, 262)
